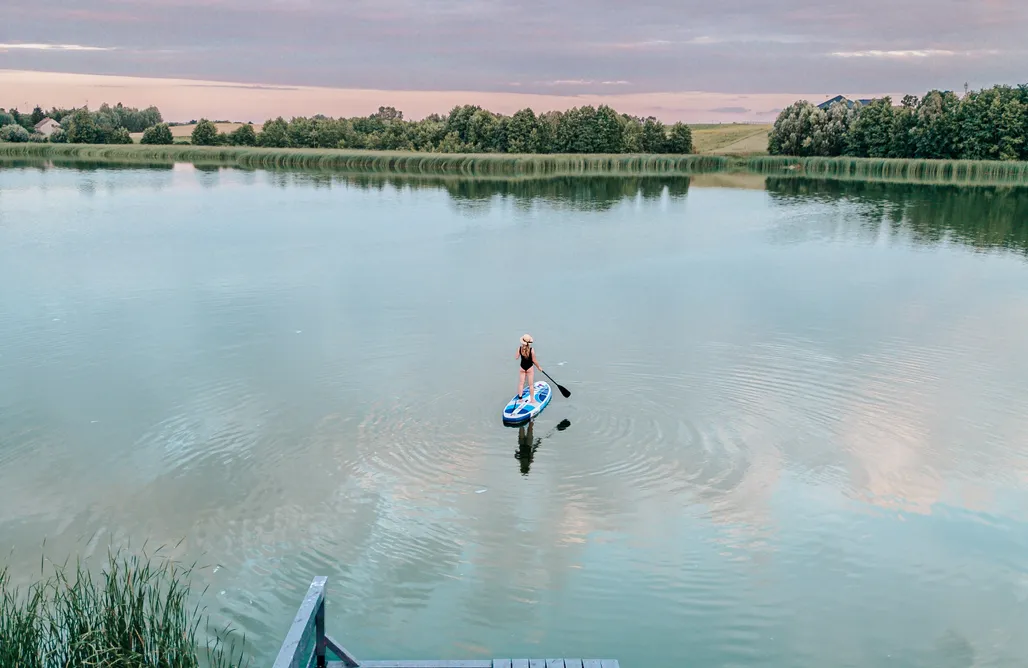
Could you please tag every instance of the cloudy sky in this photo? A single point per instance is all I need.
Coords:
(814, 48)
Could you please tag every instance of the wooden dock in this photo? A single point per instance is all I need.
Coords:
(307, 645)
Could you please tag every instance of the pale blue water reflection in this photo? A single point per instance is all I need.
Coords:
(797, 433)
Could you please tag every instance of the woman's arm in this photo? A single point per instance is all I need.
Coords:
(535, 360)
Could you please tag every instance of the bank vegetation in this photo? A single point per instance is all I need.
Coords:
(138, 613)
(989, 124)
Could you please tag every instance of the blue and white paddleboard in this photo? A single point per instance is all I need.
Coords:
(524, 408)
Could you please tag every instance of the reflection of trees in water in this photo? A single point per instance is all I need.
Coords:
(83, 165)
(583, 193)
(981, 217)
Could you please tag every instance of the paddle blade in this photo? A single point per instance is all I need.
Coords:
(564, 391)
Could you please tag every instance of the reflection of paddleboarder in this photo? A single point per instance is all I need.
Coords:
(528, 444)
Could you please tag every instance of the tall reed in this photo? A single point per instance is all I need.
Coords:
(984, 172)
(406, 162)
(136, 615)
(995, 172)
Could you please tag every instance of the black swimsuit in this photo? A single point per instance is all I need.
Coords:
(526, 362)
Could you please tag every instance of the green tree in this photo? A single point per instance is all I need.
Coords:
(608, 133)
(522, 132)
(903, 139)
(654, 136)
(244, 135)
(58, 136)
(14, 133)
(482, 132)
(451, 143)
(157, 134)
(119, 136)
(632, 135)
(567, 131)
(301, 132)
(82, 128)
(980, 115)
(870, 135)
(204, 134)
(459, 121)
(21, 119)
(37, 116)
(395, 137)
(547, 124)
(793, 130)
(937, 130)
(679, 139)
(834, 125)
(274, 133)
(427, 134)
(1013, 124)
(387, 114)
(6, 119)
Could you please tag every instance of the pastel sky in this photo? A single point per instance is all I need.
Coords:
(744, 56)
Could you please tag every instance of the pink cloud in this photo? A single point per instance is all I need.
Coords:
(184, 99)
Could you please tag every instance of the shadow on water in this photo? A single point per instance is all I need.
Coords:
(984, 218)
(528, 444)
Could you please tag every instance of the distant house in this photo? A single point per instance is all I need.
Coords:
(47, 126)
(842, 98)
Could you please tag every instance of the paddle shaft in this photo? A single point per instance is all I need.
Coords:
(563, 390)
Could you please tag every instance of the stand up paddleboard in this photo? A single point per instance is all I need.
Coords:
(523, 408)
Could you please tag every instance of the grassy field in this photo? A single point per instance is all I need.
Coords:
(730, 139)
(180, 132)
(992, 172)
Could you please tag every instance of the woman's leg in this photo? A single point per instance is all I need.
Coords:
(521, 382)
(531, 379)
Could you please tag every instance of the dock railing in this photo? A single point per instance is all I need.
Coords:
(308, 646)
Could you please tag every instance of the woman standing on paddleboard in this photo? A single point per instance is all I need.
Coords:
(526, 353)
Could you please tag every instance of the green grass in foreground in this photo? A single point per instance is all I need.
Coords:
(506, 165)
(136, 616)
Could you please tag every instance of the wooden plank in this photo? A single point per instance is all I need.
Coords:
(348, 659)
(495, 663)
(448, 663)
(295, 646)
(554, 663)
(572, 663)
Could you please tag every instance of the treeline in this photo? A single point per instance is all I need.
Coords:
(466, 129)
(990, 124)
(106, 125)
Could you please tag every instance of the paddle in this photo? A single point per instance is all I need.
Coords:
(563, 390)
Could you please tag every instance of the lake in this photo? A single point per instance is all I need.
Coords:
(797, 422)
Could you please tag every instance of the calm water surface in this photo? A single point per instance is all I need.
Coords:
(798, 422)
